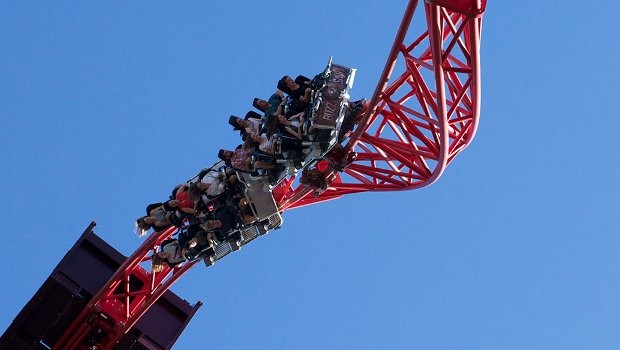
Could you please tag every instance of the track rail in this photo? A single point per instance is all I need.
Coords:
(127, 295)
(424, 111)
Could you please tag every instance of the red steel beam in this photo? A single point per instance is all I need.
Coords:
(414, 125)
(126, 296)
(424, 111)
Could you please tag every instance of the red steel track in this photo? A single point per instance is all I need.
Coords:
(424, 111)
(425, 108)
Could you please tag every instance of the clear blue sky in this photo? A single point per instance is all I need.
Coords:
(105, 107)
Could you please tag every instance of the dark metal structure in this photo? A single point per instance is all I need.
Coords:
(423, 113)
(81, 273)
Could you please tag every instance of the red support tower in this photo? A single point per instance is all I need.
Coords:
(424, 111)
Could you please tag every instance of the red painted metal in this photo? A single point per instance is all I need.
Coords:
(424, 111)
(81, 273)
(468, 7)
(127, 295)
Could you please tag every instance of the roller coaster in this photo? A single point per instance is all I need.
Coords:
(424, 111)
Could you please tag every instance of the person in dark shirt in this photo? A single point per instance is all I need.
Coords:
(298, 91)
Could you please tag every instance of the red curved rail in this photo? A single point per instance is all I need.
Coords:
(424, 111)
